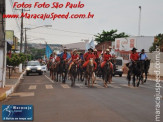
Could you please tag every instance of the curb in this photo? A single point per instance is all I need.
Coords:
(12, 89)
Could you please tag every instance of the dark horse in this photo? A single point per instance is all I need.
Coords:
(61, 70)
(135, 70)
(144, 70)
(107, 73)
(81, 71)
(98, 71)
(64, 69)
(73, 73)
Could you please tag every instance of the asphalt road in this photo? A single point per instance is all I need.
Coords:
(57, 102)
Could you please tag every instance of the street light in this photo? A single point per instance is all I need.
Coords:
(139, 25)
(26, 29)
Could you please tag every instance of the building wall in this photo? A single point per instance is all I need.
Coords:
(103, 46)
(2, 48)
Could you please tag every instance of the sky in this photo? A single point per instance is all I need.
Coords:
(122, 15)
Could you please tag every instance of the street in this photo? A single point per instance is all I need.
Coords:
(57, 102)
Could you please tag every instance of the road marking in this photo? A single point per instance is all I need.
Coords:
(65, 86)
(81, 85)
(49, 79)
(32, 87)
(114, 86)
(49, 86)
(23, 94)
(149, 87)
(125, 85)
(98, 86)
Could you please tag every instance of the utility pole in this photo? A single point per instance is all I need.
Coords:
(21, 33)
(25, 46)
(22, 25)
(3, 45)
(139, 23)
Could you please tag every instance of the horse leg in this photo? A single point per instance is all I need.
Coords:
(129, 78)
(57, 76)
(52, 75)
(139, 81)
(134, 80)
(145, 77)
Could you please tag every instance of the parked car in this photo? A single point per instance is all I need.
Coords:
(118, 67)
(33, 67)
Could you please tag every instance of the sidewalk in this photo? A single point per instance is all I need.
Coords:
(10, 86)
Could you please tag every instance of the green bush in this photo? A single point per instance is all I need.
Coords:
(16, 59)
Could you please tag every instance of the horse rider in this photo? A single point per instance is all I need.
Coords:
(87, 56)
(81, 57)
(54, 56)
(96, 54)
(133, 57)
(101, 57)
(65, 55)
(107, 56)
(143, 56)
(74, 58)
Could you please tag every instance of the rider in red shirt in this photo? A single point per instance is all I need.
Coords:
(74, 58)
(96, 54)
(87, 56)
(107, 56)
(134, 55)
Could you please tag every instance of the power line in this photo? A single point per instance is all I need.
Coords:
(56, 34)
(66, 30)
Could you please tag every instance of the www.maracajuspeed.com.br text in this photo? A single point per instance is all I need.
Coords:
(52, 16)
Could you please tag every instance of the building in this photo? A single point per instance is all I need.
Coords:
(123, 46)
(103, 46)
(3, 45)
(80, 46)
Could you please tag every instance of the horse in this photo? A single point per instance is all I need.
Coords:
(53, 70)
(58, 71)
(64, 69)
(135, 70)
(146, 68)
(107, 73)
(73, 73)
(81, 71)
(98, 70)
(89, 73)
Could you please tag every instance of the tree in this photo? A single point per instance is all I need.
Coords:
(16, 59)
(37, 53)
(157, 43)
(109, 36)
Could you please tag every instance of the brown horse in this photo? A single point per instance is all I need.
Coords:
(73, 73)
(89, 73)
(107, 73)
(53, 70)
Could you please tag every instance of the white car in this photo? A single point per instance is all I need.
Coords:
(44, 68)
(34, 67)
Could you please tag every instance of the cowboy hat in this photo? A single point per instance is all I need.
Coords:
(95, 50)
(142, 50)
(133, 49)
(65, 48)
(74, 50)
(90, 49)
(107, 50)
(110, 47)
